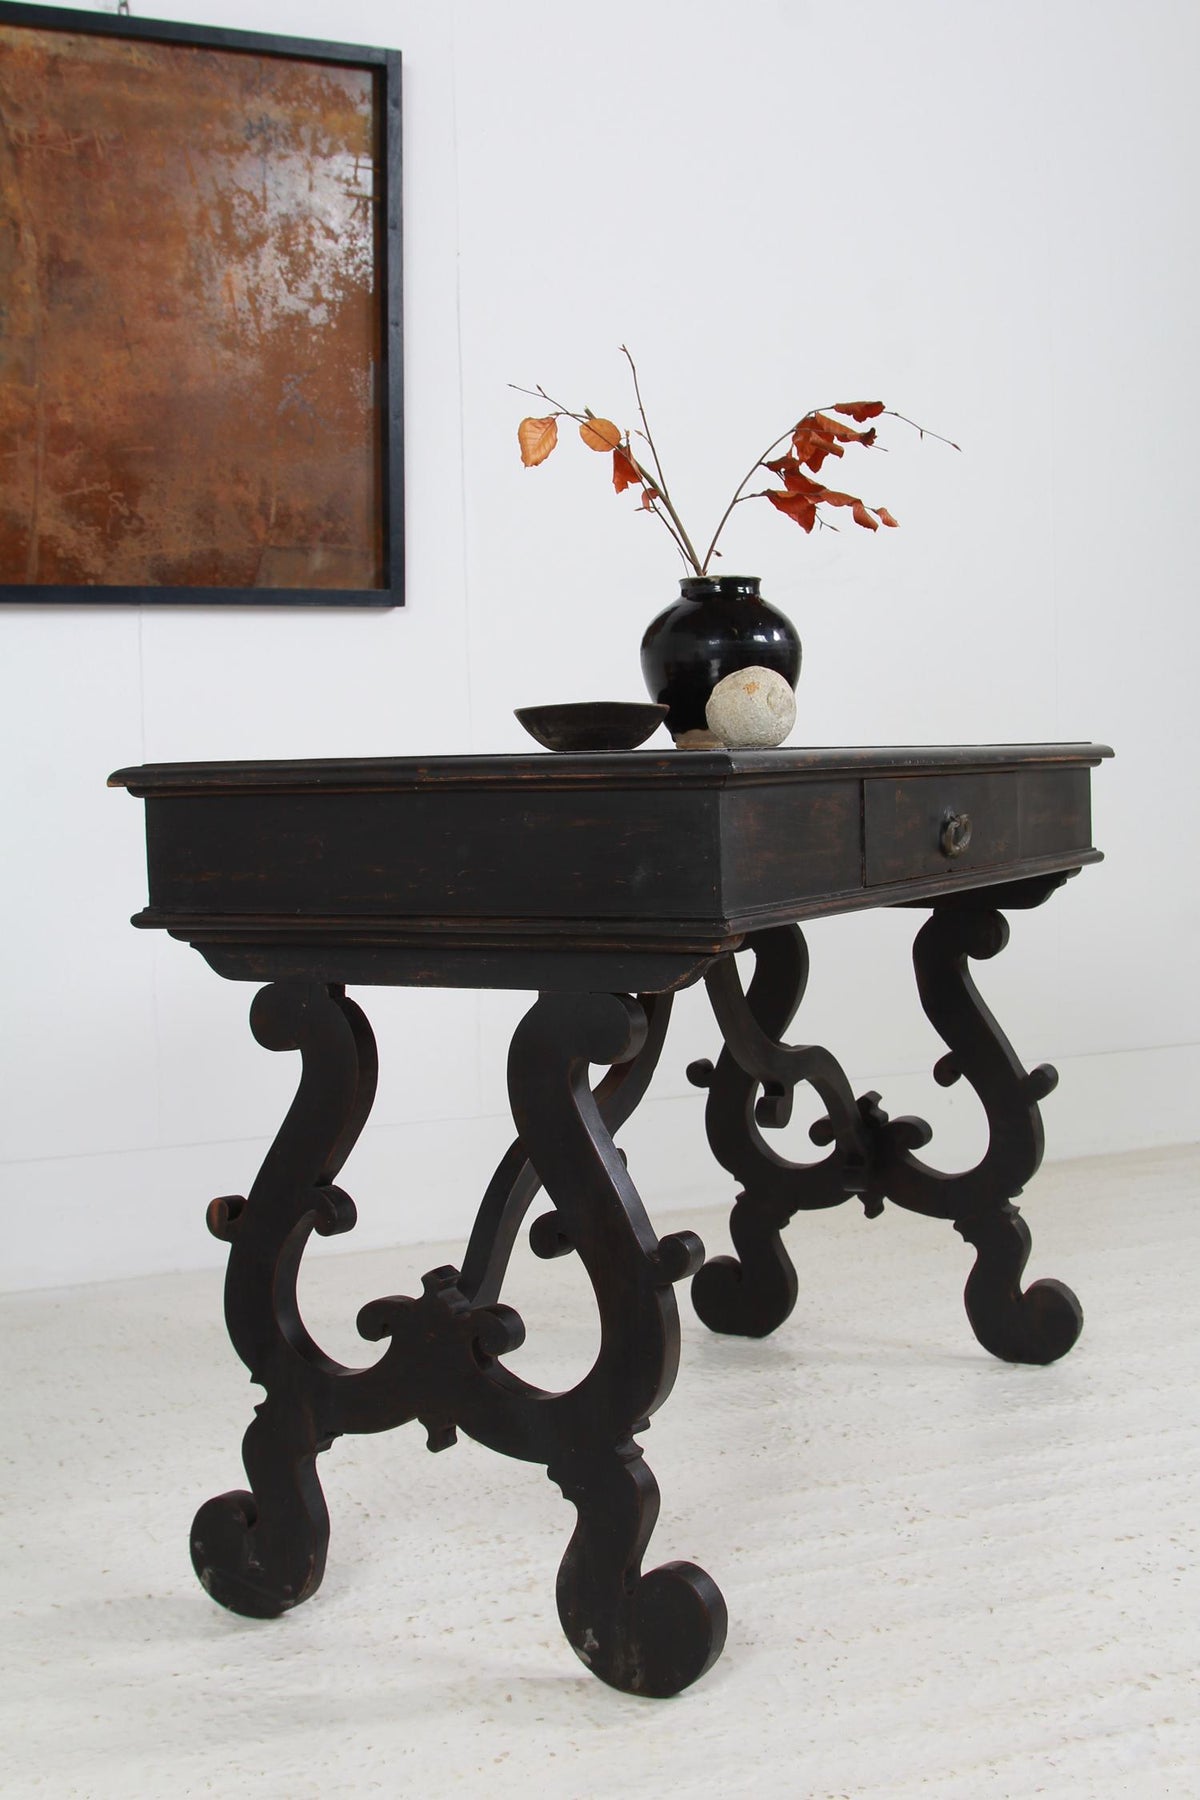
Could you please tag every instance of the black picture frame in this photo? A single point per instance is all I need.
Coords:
(387, 399)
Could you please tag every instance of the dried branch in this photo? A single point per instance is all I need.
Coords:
(815, 437)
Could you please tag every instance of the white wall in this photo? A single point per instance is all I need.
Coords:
(982, 214)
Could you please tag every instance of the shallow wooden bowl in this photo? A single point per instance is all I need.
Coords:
(592, 724)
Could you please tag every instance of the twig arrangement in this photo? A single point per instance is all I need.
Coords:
(817, 436)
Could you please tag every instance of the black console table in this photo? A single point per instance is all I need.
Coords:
(604, 884)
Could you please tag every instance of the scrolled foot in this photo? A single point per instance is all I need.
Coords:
(674, 1631)
(750, 1294)
(652, 1634)
(261, 1552)
(223, 1558)
(666, 1629)
(226, 1556)
(1035, 1325)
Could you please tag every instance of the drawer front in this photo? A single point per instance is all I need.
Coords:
(938, 824)
(455, 855)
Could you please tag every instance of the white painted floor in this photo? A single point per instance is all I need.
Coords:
(947, 1577)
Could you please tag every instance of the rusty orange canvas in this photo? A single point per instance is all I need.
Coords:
(189, 317)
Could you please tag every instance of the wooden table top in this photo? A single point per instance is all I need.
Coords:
(681, 851)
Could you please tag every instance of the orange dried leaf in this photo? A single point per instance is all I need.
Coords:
(885, 517)
(811, 447)
(600, 434)
(649, 495)
(537, 438)
(842, 434)
(795, 506)
(794, 479)
(861, 410)
(860, 513)
(624, 471)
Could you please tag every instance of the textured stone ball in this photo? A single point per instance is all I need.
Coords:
(752, 709)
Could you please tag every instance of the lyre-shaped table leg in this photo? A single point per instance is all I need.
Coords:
(751, 1088)
(872, 1156)
(650, 1633)
(1041, 1323)
(264, 1551)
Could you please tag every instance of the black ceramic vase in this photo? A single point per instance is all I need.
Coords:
(719, 624)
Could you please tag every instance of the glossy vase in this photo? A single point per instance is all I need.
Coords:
(719, 624)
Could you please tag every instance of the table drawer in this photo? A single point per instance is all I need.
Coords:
(935, 824)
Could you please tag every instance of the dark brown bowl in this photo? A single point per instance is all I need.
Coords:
(592, 724)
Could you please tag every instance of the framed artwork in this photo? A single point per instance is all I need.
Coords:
(200, 320)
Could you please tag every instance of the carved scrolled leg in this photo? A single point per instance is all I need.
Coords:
(262, 1552)
(1041, 1323)
(874, 1157)
(647, 1633)
(751, 1088)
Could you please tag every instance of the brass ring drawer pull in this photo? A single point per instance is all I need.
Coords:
(956, 833)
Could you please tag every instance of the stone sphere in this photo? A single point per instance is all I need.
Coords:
(752, 709)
